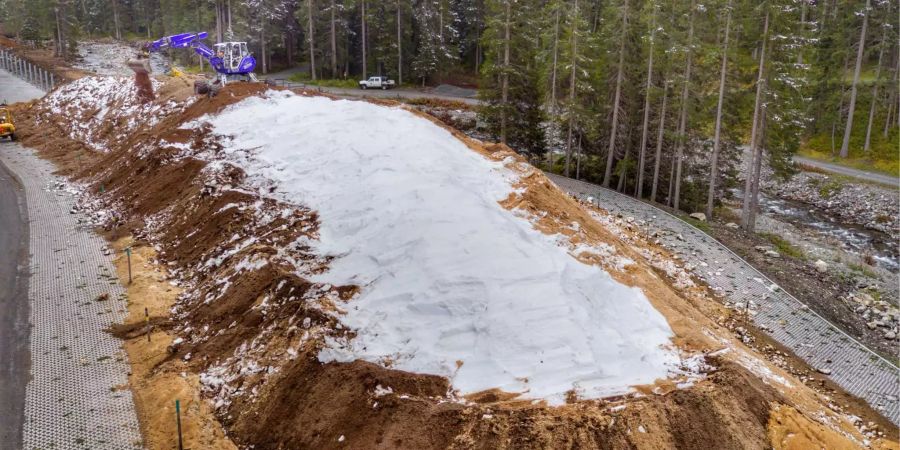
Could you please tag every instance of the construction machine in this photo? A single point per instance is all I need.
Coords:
(230, 60)
(7, 127)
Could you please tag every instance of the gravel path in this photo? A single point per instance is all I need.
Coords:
(822, 345)
(849, 171)
(77, 396)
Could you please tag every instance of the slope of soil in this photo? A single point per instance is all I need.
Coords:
(252, 329)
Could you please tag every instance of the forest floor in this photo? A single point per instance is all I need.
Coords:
(247, 330)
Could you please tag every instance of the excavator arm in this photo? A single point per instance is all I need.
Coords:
(184, 40)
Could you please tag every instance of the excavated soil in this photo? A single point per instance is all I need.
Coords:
(252, 336)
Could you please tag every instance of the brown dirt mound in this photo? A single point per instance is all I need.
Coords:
(252, 335)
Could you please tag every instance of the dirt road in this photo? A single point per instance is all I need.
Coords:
(849, 171)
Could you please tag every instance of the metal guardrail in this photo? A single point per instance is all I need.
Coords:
(24, 69)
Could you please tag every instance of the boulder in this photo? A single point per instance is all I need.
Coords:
(821, 266)
(773, 254)
(762, 248)
(732, 225)
(699, 216)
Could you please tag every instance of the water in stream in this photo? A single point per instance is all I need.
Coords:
(855, 239)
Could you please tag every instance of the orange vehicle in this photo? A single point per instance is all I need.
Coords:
(7, 128)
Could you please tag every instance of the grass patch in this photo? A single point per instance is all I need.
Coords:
(862, 270)
(882, 157)
(830, 188)
(784, 247)
(704, 226)
(726, 214)
(335, 83)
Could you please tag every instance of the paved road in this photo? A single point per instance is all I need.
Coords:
(849, 171)
(444, 93)
(822, 345)
(14, 354)
(15, 357)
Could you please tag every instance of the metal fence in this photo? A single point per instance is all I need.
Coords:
(35, 75)
(280, 82)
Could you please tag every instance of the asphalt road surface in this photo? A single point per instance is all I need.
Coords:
(849, 171)
(15, 359)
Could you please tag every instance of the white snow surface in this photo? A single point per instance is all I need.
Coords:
(452, 284)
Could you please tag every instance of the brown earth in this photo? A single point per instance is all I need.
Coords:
(156, 380)
(229, 317)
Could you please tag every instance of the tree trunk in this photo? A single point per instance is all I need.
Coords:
(757, 170)
(893, 100)
(573, 42)
(578, 159)
(60, 34)
(845, 146)
(115, 8)
(399, 47)
(555, 61)
(803, 6)
(659, 141)
(714, 163)
(620, 73)
(755, 151)
(682, 123)
(262, 40)
(505, 76)
(874, 100)
(334, 73)
(230, 30)
(639, 186)
(840, 111)
(218, 20)
(623, 178)
(312, 40)
(362, 18)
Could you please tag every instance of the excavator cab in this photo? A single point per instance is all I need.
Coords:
(7, 128)
(232, 55)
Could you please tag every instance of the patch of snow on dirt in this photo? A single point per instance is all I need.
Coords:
(111, 58)
(452, 284)
(91, 104)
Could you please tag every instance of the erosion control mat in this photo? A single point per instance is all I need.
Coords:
(249, 329)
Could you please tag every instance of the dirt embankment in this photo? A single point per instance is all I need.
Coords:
(250, 329)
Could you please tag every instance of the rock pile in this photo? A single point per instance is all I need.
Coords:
(879, 314)
(874, 207)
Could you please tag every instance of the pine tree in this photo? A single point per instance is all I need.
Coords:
(511, 77)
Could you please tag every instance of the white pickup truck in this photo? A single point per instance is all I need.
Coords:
(376, 83)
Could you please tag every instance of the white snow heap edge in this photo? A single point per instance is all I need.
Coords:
(451, 283)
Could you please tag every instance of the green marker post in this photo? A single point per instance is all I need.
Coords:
(178, 420)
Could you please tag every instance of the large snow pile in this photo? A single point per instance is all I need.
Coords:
(452, 283)
(103, 111)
